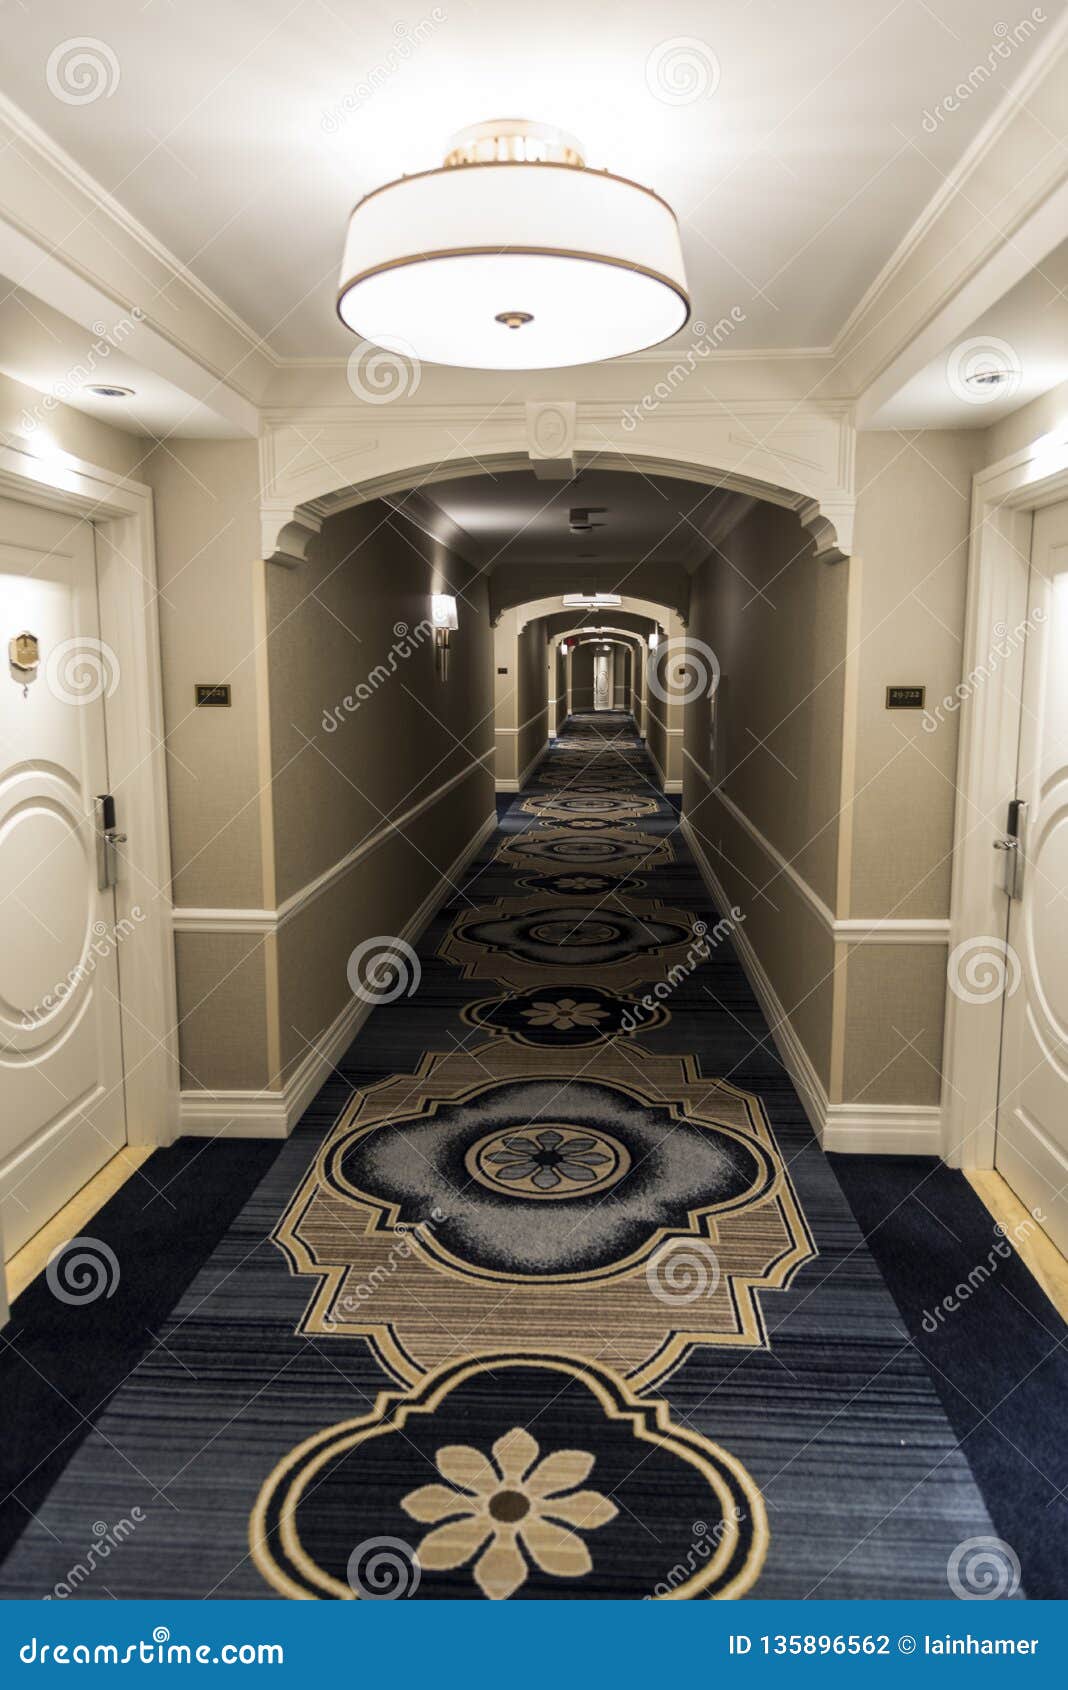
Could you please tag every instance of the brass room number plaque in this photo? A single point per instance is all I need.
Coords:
(212, 695)
(905, 698)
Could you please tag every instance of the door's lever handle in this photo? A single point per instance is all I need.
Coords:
(108, 837)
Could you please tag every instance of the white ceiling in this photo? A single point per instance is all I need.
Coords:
(45, 350)
(795, 172)
(514, 518)
(1025, 333)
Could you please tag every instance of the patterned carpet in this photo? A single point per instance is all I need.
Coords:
(551, 1293)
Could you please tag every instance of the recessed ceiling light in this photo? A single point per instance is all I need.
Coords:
(108, 392)
(513, 255)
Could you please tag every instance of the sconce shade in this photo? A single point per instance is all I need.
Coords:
(443, 611)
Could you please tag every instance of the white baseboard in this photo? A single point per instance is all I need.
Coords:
(883, 1129)
(274, 1114)
(518, 785)
(668, 785)
(871, 1129)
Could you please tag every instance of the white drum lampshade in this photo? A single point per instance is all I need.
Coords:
(513, 255)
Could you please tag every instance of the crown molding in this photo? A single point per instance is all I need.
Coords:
(24, 129)
(955, 189)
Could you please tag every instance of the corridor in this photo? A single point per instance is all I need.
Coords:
(495, 1321)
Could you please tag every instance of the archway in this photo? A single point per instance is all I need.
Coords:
(797, 457)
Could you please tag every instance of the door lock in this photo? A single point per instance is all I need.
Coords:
(1011, 843)
(108, 838)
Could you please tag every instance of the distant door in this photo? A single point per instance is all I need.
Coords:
(1032, 1128)
(602, 680)
(62, 1109)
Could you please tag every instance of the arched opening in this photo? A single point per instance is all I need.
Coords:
(394, 747)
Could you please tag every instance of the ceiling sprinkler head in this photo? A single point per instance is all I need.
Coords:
(989, 377)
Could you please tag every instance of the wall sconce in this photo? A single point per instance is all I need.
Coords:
(445, 623)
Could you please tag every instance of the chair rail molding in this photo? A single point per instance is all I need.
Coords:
(315, 462)
(852, 930)
(274, 1112)
(869, 1129)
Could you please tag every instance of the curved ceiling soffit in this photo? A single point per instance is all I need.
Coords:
(801, 461)
(609, 630)
(548, 605)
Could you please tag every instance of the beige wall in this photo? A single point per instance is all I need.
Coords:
(857, 799)
(206, 495)
(775, 620)
(363, 729)
(532, 689)
(520, 697)
(665, 716)
(582, 677)
(339, 725)
(908, 578)
(44, 423)
(1047, 414)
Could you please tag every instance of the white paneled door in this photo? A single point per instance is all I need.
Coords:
(1032, 1129)
(62, 1109)
(602, 681)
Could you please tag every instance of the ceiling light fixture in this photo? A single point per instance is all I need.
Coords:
(513, 255)
(107, 392)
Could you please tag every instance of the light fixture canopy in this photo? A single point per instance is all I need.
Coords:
(513, 255)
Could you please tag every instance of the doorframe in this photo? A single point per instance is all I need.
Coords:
(121, 511)
(1004, 498)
